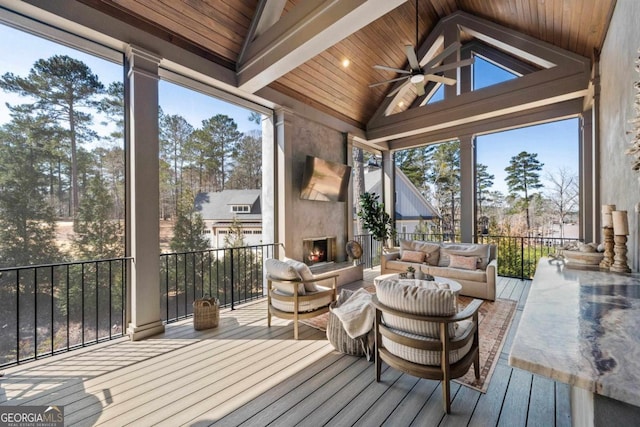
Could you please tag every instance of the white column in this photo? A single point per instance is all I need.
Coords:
(467, 188)
(143, 216)
(389, 184)
(284, 177)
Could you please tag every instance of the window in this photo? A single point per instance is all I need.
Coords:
(85, 180)
(222, 231)
(240, 208)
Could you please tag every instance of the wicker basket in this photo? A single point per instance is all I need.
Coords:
(342, 342)
(206, 313)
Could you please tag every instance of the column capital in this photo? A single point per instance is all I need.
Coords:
(142, 61)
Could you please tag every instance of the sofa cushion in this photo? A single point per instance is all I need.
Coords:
(416, 297)
(459, 274)
(413, 256)
(465, 249)
(431, 250)
(463, 262)
(305, 274)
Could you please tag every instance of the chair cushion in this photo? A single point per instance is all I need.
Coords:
(303, 306)
(305, 274)
(416, 297)
(427, 357)
(463, 262)
(281, 270)
(480, 251)
(431, 250)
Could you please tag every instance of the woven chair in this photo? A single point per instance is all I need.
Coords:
(443, 353)
(292, 296)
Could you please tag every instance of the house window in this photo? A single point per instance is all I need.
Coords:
(222, 231)
(240, 208)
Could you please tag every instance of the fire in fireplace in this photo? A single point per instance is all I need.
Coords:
(319, 249)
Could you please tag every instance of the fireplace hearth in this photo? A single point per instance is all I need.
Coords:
(319, 250)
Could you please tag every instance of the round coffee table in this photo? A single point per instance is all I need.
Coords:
(453, 285)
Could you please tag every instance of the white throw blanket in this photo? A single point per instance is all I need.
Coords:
(356, 314)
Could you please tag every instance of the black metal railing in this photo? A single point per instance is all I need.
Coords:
(233, 275)
(53, 308)
(517, 255)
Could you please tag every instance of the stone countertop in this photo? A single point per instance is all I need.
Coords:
(582, 327)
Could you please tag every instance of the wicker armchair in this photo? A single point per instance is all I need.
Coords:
(291, 296)
(428, 356)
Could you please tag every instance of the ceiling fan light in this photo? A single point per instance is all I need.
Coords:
(417, 78)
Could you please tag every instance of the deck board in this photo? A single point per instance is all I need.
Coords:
(245, 373)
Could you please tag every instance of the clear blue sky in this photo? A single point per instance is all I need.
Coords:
(556, 143)
(19, 51)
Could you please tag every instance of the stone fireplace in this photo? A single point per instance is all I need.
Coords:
(319, 250)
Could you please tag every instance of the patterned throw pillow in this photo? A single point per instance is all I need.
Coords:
(463, 262)
(413, 256)
(480, 251)
(431, 250)
(414, 296)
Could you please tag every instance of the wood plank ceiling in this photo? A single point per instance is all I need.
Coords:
(216, 29)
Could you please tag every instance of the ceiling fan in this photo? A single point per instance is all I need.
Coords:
(420, 75)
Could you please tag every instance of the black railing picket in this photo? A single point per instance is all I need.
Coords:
(56, 281)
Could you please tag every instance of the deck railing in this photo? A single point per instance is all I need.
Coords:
(517, 255)
(233, 275)
(53, 308)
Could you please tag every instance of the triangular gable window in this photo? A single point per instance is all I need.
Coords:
(438, 95)
(487, 73)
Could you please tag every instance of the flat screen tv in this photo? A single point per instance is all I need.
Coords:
(324, 180)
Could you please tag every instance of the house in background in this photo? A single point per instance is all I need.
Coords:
(412, 209)
(220, 209)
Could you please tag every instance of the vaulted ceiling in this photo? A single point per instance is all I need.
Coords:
(228, 32)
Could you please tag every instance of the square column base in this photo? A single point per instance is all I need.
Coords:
(141, 332)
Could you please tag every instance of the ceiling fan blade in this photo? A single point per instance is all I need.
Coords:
(396, 90)
(395, 70)
(451, 66)
(439, 57)
(440, 79)
(420, 88)
(411, 56)
(388, 81)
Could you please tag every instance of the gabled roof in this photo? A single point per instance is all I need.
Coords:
(216, 206)
(410, 203)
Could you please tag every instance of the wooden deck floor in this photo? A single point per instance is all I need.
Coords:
(244, 373)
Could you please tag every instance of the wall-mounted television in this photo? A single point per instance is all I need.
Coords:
(324, 180)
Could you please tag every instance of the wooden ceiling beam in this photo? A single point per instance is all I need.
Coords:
(531, 91)
(301, 34)
(267, 13)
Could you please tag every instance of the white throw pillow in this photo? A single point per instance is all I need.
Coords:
(305, 274)
(284, 271)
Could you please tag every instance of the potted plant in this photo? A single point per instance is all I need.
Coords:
(375, 218)
(411, 272)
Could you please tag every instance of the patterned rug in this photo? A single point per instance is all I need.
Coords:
(494, 321)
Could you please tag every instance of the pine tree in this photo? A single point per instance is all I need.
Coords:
(97, 234)
(27, 221)
(216, 144)
(63, 88)
(445, 174)
(247, 160)
(188, 231)
(523, 178)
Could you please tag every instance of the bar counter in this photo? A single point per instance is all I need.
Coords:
(582, 327)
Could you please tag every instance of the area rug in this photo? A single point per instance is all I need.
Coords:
(494, 320)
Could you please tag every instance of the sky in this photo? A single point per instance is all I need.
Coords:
(20, 50)
(556, 143)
